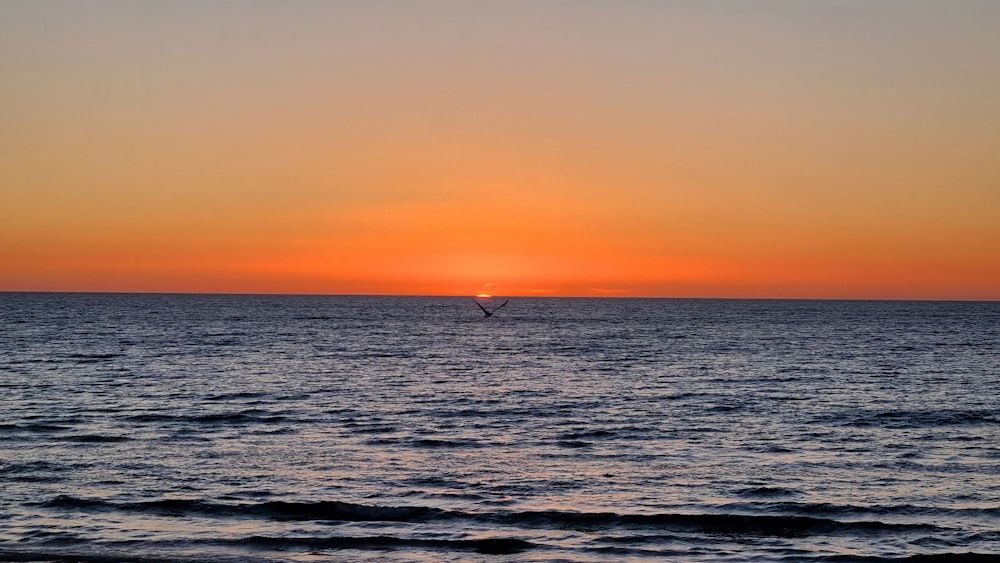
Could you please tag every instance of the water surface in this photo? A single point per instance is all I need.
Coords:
(307, 428)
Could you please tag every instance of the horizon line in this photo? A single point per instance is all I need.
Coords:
(511, 296)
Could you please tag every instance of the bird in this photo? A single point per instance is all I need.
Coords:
(487, 312)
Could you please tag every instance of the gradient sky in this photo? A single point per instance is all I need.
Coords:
(745, 149)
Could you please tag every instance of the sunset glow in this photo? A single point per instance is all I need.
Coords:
(689, 149)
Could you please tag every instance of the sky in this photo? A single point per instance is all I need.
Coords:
(800, 149)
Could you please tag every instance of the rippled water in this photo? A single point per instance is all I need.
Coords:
(292, 428)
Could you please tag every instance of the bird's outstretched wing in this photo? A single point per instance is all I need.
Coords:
(501, 306)
(485, 312)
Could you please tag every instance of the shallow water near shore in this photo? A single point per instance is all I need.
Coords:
(316, 428)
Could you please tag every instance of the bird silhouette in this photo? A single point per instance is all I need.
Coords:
(486, 311)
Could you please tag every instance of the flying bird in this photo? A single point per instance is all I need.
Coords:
(486, 311)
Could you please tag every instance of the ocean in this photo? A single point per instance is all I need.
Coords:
(143, 427)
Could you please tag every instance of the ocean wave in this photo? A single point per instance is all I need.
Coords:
(828, 510)
(574, 444)
(486, 546)
(781, 525)
(439, 443)
(277, 510)
(94, 358)
(944, 557)
(34, 427)
(235, 396)
(238, 417)
(425, 443)
(761, 525)
(907, 419)
(104, 555)
(83, 553)
(767, 492)
(374, 429)
(579, 434)
(250, 416)
(95, 438)
(33, 472)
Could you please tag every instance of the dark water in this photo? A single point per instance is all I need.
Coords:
(173, 427)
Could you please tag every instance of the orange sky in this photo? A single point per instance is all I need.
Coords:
(759, 149)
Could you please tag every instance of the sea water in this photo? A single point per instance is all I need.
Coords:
(318, 428)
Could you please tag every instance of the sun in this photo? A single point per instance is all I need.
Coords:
(484, 295)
